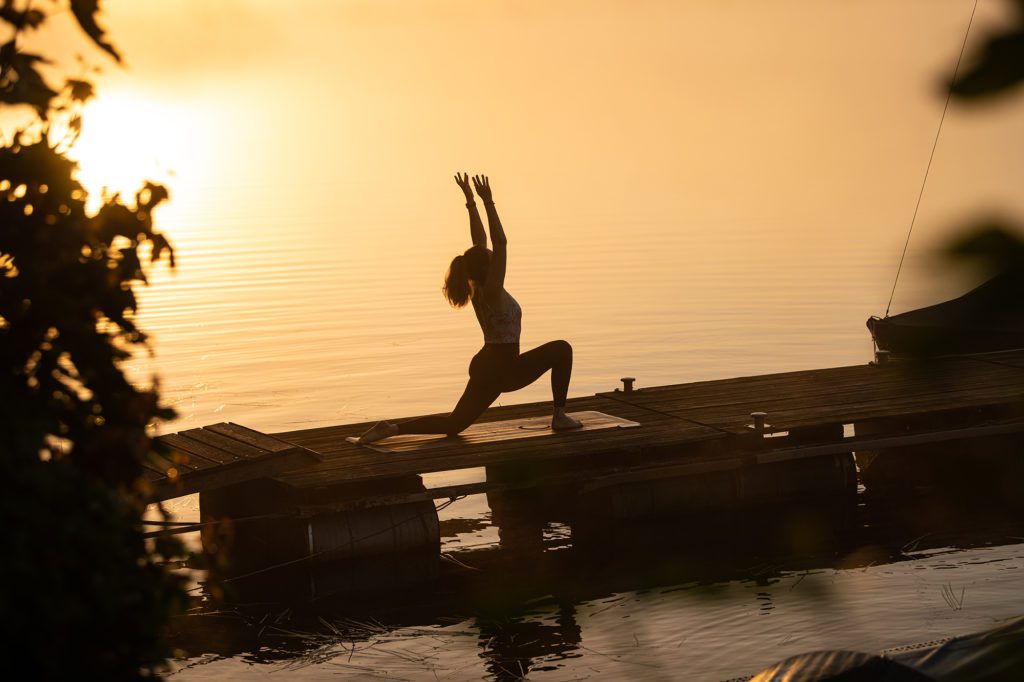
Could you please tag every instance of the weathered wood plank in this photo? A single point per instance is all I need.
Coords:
(151, 472)
(896, 377)
(785, 416)
(836, 395)
(174, 461)
(805, 391)
(208, 458)
(248, 436)
(229, 474)
(773, 387)
(225, 443)
(191, 446)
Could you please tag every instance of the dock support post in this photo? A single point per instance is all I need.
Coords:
(521, 512)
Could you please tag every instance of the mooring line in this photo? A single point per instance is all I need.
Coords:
(182, 527)
(666, 414)
(935, 144)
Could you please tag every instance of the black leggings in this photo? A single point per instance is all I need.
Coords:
(499, 368)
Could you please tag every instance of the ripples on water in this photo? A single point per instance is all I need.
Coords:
(685, 603)
(278, 331)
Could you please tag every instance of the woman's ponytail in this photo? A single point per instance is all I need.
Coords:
(456, 286)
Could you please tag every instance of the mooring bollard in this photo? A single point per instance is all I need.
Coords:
(627, 384)
(759, 419)
(881, 357)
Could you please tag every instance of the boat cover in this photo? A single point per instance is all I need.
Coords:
(987, 318)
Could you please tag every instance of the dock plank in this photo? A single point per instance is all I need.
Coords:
(839, 395)
(206, 458)
(162, 465)
(178, 442)
(248, 436)
(228, 444)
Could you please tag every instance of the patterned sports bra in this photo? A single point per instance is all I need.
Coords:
(500, 324)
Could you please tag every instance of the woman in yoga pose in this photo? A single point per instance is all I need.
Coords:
(478, 277)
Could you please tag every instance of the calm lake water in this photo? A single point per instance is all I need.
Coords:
(280, 330)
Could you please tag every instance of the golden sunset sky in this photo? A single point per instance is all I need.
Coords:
(691, 189)
(610, 110)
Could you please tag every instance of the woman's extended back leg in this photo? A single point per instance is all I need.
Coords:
(477, 397)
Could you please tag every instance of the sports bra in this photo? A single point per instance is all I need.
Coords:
(502, 325)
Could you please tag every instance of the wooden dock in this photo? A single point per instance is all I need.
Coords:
(681, 428)
(363, 518)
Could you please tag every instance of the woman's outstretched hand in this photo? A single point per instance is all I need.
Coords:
(483, 188)
(463, 182)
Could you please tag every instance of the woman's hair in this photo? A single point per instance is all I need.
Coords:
(466, 274)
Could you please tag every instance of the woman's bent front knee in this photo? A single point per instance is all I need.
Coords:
(563, 348)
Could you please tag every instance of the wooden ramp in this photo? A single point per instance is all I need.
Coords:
(219, 455)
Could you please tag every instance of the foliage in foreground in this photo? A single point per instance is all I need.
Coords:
(84, 594)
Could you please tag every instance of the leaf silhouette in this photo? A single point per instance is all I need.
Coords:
(81, 91)
(85, 12)
(1000, 67)
(30, 18)
(160, 245)
(22, 83)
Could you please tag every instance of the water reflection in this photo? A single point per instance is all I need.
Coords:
(651, 596)
(516, 645)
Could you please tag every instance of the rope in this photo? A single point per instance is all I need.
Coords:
(182, 527)
(935, 144)
(613, 396)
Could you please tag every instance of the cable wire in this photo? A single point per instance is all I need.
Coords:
(935, 144)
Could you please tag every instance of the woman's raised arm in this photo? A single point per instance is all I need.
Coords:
(496, 273)
(476, 226)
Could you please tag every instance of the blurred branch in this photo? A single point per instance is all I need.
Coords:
(999, 65)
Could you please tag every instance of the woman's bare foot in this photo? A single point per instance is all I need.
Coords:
(563, 422)
(379, 431)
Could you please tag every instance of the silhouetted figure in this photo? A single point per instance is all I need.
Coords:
(478, 277)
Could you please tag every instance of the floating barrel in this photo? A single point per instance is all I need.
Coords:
(260, 545)
(363, 550)
(373, 531)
